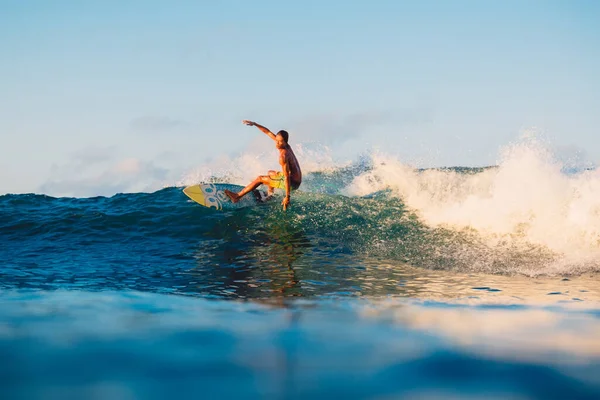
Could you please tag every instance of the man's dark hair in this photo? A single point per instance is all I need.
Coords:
(284, 134)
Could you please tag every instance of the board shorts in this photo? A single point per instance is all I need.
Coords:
(278, 182)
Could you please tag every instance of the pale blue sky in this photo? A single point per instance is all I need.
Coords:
(93, 91)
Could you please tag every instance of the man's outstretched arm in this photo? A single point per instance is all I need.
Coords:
(262, 128)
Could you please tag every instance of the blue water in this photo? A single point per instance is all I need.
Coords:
(152, 296)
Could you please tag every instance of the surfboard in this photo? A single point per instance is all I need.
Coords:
(212, 195)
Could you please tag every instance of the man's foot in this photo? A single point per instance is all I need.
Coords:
(269, 197)
(233, 196)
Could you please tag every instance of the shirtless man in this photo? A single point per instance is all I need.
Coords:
(291, 177)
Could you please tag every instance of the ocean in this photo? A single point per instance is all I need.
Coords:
(381, 281)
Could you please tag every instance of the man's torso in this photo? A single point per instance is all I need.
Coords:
(295, 171)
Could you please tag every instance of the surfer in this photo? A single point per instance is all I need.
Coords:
(289, 179)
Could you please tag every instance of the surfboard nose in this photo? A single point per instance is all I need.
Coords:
(195, 193)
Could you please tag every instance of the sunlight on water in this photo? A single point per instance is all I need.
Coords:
(298, 348)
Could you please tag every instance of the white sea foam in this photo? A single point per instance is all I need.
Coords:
(526, 198)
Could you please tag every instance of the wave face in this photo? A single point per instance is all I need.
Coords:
(525, 216)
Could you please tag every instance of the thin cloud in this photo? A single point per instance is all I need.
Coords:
(85, 159)
(122, 176)
(156, 124)
(93, 155)
(333, 128)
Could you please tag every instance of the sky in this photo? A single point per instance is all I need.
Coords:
(100, 97)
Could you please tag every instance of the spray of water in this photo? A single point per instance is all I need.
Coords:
(243, 168)
(527, 199)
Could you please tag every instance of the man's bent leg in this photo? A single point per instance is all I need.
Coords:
(235, 197)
